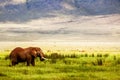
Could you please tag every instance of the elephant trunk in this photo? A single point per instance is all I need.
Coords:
(41, 55)
(42, 58)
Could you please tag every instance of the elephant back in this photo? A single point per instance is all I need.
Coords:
(16, 51)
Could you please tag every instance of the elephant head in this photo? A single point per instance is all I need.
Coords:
(37, 52)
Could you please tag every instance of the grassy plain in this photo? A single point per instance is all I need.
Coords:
(83, 63)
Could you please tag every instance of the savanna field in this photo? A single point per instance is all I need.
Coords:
(80, 39)
(66, 63)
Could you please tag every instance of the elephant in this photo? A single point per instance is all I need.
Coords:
(28, 55)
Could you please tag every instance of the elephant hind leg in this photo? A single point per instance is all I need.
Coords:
(14, 63)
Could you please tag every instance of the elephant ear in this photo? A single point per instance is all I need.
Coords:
(33, 52)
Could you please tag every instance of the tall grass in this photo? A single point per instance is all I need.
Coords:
(83, 66)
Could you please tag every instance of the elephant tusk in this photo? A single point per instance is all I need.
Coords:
(44, 58)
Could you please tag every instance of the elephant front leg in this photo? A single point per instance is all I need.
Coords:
(33, 62)
(28, 62)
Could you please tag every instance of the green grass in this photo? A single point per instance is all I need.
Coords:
(63, 67)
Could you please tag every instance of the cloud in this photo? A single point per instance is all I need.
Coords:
(37, 31)
(19, 1)
(60, 34)
(19, 11)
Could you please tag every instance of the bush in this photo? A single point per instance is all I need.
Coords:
(86, 55)
(99, 55)
(81, 55)
(100, 62)
(115, 58)
(117, 61)
(56, 56)
(106, 55)
(92, 55)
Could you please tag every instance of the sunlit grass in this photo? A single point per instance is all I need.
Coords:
(66, 64)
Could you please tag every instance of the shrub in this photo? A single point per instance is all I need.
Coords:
(115, 58)
(73, 56)
(99, 55)
(100, 62)
(81, 55)
(92, 55)
(56, 56)
(106, 55)
(117, 61)
(86, 55)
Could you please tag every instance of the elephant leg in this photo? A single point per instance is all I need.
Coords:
(28, 63)
(14, 63)
(33, 62)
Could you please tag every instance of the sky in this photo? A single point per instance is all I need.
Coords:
(55, 24)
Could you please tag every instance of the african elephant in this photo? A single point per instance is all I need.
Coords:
(28, 55)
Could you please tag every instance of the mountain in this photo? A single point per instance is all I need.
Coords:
(25, 10)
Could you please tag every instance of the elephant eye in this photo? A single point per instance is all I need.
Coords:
(36, 50)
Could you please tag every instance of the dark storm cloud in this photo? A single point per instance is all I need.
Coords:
(38, 9)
